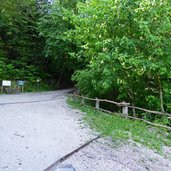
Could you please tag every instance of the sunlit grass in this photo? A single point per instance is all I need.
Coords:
(119, 128)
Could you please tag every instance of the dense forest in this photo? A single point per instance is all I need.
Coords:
(114, 49)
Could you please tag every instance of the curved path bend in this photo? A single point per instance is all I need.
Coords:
(36, 129)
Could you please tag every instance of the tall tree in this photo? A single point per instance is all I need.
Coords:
(126, 44)
(19, 37)
(52, 27)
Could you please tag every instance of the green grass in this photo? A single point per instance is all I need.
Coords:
(35, 87)
(121, 129)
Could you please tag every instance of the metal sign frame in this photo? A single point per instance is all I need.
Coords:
(5, 83)
(20, 84)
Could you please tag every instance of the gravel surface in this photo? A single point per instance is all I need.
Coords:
(42, 128)
(99, 156)
(34, 135)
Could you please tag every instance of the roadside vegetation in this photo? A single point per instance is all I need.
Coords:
(37, 87)
(123, 130)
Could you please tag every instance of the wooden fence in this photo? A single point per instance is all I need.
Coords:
(125, 109)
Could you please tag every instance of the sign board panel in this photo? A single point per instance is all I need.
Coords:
(20, 83)
(6, 83)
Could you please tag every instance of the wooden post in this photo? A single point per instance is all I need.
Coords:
(97, 103)
(133, 110)
(22, 88)
(83, 101)
(2, 89)
(74, 96)
(125, 108)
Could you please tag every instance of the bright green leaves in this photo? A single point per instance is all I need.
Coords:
(127, 46)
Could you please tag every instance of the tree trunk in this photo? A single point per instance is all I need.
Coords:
(133, 110)
(60, 77)
(161, 95)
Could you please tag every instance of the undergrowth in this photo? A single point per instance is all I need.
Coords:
(30, 87)
(119, 128)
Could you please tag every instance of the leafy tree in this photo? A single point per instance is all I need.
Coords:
(19, 37)
(52, 27)
(127, 46)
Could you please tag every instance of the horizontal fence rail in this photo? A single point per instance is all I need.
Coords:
(125, 108)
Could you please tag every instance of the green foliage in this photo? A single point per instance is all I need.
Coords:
(19, 41)
(33, 43)
(163, 120)
(126, 44)
(52, 28)
(118, 50)
(37, 87)
(121, 129)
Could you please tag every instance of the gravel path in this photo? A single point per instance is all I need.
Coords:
(42, 128)
(34, 135)
(99, 156)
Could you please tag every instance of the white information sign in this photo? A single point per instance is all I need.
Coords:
(6, 83)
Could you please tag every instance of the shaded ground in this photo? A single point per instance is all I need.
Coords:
(34, 135)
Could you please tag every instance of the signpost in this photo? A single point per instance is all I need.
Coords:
(5, 83)
(21, 83)
(38, 83)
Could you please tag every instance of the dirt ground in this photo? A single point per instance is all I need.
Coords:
(36, 129)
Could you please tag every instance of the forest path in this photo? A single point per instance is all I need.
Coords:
(36, 129)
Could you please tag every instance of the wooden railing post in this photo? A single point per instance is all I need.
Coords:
(125, 108)
(75, 97)
(83, 101)
(97, 103)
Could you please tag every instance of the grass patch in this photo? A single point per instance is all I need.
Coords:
(119, 128)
